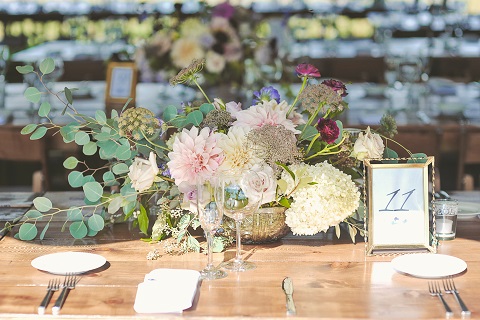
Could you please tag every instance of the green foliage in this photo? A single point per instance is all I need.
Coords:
(47, 66)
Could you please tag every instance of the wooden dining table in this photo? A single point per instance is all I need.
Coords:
(332, 278)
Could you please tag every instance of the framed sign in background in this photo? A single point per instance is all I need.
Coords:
(397, 215)
(121, 84)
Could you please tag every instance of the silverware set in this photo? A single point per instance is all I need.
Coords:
(449, 287)
(68, 284)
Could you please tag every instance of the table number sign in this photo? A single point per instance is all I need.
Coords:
(397, 215)
(121, 84)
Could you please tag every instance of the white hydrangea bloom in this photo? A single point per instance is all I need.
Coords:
(317, 207)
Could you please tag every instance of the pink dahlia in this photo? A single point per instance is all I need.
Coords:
(265, 113)
(195, 156)
(328, 129)
(307, 70)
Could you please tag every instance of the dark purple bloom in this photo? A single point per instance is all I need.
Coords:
(266, 94)
(307, 70)
(328, 129)
(224, 10)
(337, 86)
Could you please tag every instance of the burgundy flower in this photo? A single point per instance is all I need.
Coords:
(337, 86)
(328, 129)
(307, 70)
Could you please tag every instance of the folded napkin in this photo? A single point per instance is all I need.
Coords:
(167, 291)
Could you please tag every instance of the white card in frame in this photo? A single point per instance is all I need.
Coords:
(397, 215)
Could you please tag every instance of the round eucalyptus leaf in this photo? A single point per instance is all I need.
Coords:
(47, 66)
(78, 229)
(82, 138)
(42, 204)
(32, 94)
(44, 109)
(195, 117)
(90, 148)
(29, 128)
(169, 113)
(92, 233)
(70, 163)
(120, 168)
(34, 214)
(390, 154)
(93, 190)
(88, 178)
(68, 133)
(102, 136)
(309, 133)
(417, 158)
(38, 133)
(101, 117)
(206, 108)
(109, 148)
(74, 214)
(109, 179)
(75, 179)
(96, 222)
(123, 152)
(27, 231)
(24, 69)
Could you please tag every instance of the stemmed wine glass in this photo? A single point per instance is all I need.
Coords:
(210, 216)
(240, 195)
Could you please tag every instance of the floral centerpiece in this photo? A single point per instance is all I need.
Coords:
(307, 160)
(216, 37)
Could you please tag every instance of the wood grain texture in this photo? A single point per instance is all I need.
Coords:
(333, 279)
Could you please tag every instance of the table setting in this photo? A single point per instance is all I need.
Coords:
(226, 161)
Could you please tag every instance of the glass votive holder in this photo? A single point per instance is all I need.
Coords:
(446, 211)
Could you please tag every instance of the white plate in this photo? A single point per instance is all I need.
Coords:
(429, 265)
(467, 210)
(63, 263)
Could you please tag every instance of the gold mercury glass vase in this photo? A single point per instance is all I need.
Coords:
(265, 225)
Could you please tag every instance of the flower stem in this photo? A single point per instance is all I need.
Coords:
(304, 83)
(201, 90)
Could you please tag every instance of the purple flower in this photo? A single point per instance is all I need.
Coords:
(328, 129)
(337, 86)
(307, 70)
(266, 94)
(224, 10)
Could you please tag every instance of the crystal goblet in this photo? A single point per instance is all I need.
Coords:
(210, 216)
(239, 196)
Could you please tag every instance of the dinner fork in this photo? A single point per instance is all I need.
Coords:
(68, 284)
(449, 287)
(53, 285)
(435, 290)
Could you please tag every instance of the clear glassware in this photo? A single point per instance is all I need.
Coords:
(210, 216)
(240, 195)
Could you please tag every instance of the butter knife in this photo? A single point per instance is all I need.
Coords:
(287, 286)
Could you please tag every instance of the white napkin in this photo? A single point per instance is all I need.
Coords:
(167, 291)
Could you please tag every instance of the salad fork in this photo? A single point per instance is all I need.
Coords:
(435, 290)
(449, 287)
(68, 284)
(53, 285)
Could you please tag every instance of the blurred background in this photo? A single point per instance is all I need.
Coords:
(418, 60)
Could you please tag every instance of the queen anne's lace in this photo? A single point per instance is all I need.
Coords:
(316, 207)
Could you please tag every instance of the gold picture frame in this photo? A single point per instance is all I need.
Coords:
(397, 196)
(121, 84)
